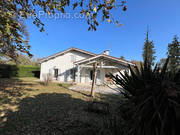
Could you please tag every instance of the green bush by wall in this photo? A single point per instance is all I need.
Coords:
(8, 71)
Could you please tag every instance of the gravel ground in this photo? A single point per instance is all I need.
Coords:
(98, 88)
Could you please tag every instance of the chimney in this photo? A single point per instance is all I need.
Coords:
(106, 52)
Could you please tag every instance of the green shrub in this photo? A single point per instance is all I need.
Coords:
(7, 71)
(27, 71)
(154, 95)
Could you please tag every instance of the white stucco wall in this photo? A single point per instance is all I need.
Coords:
(85, 74)
(63, 63)
(86, 77)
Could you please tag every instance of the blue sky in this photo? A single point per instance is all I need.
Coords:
(162, 17)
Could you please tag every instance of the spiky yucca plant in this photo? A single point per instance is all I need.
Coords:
(155, 95)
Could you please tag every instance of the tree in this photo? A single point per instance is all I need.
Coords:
(137, 63)
(1, 60)
(152, 100)
(174, 54)
(148, 50)
(122, 57)
(23, 60)
(12, 12)
(9, 46)
(162, 62)
(19, 60)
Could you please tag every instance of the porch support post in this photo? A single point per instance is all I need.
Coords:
(94, 78)
(78, 74)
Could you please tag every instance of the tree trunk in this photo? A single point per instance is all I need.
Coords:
(94, 79)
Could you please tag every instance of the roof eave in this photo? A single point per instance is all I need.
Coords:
(65, 51)
(101, 55)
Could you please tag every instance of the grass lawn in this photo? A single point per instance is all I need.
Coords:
(29, 108)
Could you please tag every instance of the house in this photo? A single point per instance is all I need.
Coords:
(76, 65)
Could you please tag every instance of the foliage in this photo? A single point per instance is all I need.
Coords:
(122, 58)
(2, 61)
(13, 32)
(12, 11)
(28, 71)
(23, 60)
(174, 54)
(148, 50)
(20, 59)
(47, 78)
(8, 71)
(162, 62)
(155, 95)
(137, 63)
(65, 85)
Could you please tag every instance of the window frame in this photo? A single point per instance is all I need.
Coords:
(56, 72)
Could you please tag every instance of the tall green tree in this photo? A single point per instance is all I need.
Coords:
(162, 62)
(148, 50)
(122, 58)
(174, 54)
(12, 11)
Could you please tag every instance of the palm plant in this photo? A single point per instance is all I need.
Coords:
(155, 95)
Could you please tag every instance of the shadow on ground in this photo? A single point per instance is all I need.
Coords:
(13, 88)
(28, 108)
(50, 114)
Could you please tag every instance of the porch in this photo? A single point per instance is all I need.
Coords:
(102, 77)
(105, 65)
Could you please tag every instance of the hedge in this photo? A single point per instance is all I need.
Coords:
(8, 71)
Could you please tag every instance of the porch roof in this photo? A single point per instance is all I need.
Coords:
(102, 57)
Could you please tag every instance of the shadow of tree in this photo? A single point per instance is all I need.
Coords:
(14, 87)
(11, 92)
(80, 92)
(51, 114)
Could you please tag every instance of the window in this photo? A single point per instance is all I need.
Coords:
(91, 74)
(55, 73)
(73, 58)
